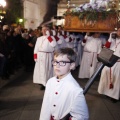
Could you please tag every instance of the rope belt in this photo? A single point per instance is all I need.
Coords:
(89, 52)
(111, 82)
(45, 52)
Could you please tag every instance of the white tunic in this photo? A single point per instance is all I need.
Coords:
(89, 61)
(79, 49)
(62, 97)
(69, 41)
(105, 80)
(43, 67)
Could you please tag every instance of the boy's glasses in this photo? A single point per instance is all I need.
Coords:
(61, 63)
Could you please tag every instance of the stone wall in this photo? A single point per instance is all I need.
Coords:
(31, 14)
(50, 11)
(38, 12)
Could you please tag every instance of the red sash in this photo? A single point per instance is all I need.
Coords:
(50, 39)
(56, 38)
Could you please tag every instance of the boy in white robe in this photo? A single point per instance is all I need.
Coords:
(110, 77)
(63, 95)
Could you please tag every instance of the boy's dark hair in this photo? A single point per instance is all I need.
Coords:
(66, 51)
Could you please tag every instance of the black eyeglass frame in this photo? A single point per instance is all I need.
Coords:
(63, 63)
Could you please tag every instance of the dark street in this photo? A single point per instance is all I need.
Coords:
(20, 99)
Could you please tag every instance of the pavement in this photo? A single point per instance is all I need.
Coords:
(20, 99)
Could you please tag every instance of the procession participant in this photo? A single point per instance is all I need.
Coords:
(69, 40)
(79, 38)
(110, 77)
(60, 36)
(55, 27)
(92, 47)
(63, 96)
(63, 33)
(104, 37)
(75, 45)
(72, 43)
(60, 28)
(58, 40)
(43, 55)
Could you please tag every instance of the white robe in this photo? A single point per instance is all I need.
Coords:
(63, 96)
(60, 43)
(89, 61)
(79, 49)
(104, 83)
(69, 43)
(43, 67)
(63, 44)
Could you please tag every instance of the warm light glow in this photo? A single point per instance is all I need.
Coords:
(63, 21)
(1, 17)
(20, 20)
(2, 3)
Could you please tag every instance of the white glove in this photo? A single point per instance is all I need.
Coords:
(111, 36)
(35, 60)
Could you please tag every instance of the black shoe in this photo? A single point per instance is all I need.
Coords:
(114, 100)
(5, 77)
(42, 87)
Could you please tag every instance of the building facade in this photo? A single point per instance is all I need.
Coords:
(37, 12)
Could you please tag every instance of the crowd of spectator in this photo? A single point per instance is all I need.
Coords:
(16, 49)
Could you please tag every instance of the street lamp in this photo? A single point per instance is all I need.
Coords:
(20, 20)
(2, 3)
(2, 12)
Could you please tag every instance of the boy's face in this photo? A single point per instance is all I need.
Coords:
(62, 71)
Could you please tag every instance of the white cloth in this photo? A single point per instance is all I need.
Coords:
(89, 61)
(63, 44)
(62, 97)
(103, 87)
(69, 41)
(59, 42)
(43, 67)
(79, 49)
